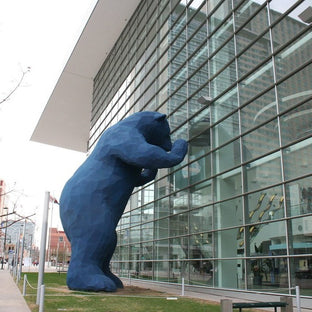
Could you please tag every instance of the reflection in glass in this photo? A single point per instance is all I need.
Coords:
(200, 194)
(296, 89)
(297, 158)
(228, 213)
(259, 110)
(229, 273)
(201, 219)
(301, 274)
(295, 55)
(178, 224)
(227, 185)
(201, 272)
(261, 141)
(299, 194)
(263, 172)
(265, 205)
(179, 248)
(266, 274)
(297, 123)
(299, 232)
(161, 271)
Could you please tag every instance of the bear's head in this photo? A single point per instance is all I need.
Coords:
(155, 128)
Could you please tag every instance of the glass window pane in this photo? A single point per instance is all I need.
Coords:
(201, 246)
(147, 231)
(258, 111)
(301, 274)
(201, 219)
(223, 57)
(299, 195)
(162, 207)
(161, 250)
(199, 130)
(225, 131)
(135, 234)
(261, 141)
(200, 169)
(252, 29)
(161, 271)
(266, 273)
(227, 185)
(218, 16)
(290, 26)
(179, 202)
(201, 194)
(179, 248)
(201, 272)
(161, 228)
(263, 172)
(297, 159)
(300, 230)
(254, 84)
(266, 238)
(228, 213)
(228, 273)
(246, 10)
(294, 56)
(224, 80)
(265, 205)
(254, 55)
(179, 224)
(297, 123)
(224, 105)
(226, 157)
(295, 89)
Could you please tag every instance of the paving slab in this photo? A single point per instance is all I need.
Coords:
(11, 299)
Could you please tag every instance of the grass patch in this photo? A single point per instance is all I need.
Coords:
(59, 298)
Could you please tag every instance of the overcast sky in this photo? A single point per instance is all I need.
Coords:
(40, 35)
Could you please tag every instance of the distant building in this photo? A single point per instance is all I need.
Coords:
(58, 247)
(14, 233)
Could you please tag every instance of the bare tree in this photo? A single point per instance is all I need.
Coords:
(24, 72)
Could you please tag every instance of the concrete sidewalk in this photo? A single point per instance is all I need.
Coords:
(11, 299)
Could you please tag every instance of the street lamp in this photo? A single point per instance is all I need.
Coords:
(5, 234)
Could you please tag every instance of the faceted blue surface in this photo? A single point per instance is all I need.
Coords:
(127, 155)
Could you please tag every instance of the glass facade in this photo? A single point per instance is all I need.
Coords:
(235, 80)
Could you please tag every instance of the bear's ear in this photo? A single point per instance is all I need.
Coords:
(161, 117)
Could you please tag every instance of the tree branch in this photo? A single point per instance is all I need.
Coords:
(17, 86)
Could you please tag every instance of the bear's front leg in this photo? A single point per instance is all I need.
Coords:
(179, 148)
(146, 176)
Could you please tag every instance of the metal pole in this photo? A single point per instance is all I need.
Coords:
(182, 286)
(24, 285)
(41, 303)
(5, 235)
(22, 251)
(49, 240)
(43, 244)
(298, 299)
(17, 254)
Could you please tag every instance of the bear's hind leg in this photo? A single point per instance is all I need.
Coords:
(105, 266)
(85, 273)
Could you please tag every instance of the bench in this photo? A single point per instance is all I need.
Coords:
(285, 304)
(59, 271)
(251, 305)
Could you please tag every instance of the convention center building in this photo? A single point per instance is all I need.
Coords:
(234, 78)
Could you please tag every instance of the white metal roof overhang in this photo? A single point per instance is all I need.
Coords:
(65, 121)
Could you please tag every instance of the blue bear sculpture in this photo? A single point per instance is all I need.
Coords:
(127, 155)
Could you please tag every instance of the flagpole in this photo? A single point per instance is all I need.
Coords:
(43, 243)
(50, 231)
